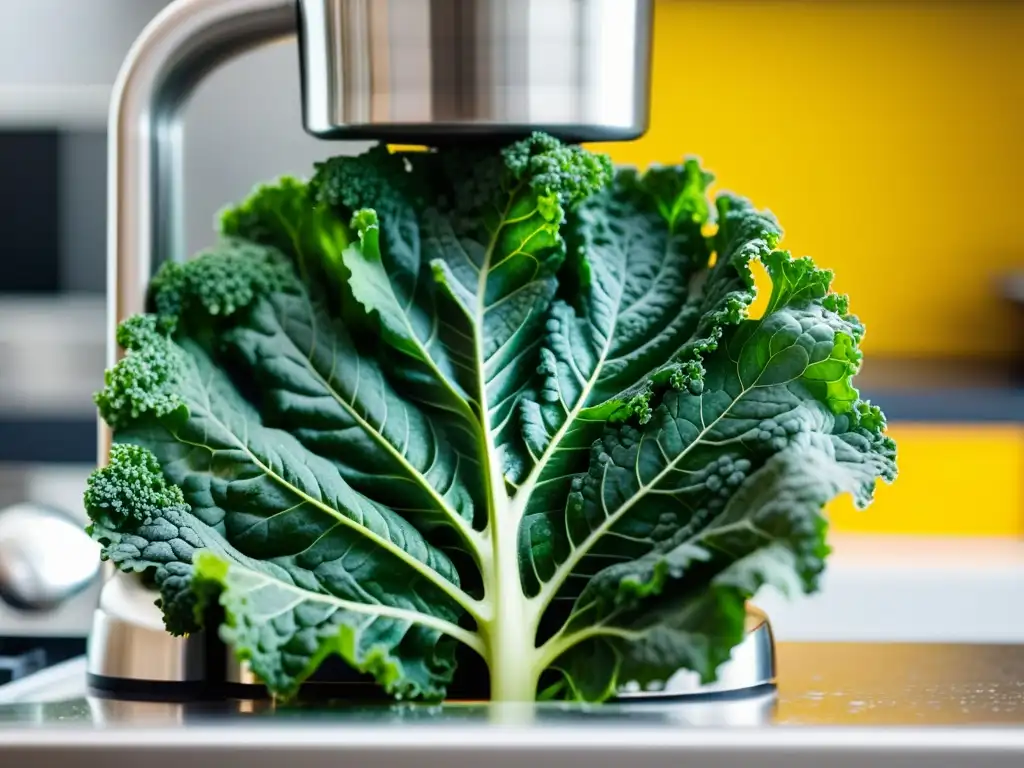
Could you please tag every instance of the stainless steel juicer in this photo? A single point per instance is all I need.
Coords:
(410, 71)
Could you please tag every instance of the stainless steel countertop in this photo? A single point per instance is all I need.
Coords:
(852, 704)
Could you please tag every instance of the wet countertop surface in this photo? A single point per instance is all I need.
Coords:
(825, 684)
(854, 698)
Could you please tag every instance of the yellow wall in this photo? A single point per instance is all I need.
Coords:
(964, 480)
(888, 137)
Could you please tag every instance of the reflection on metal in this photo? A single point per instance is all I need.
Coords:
(122, 649)
(46, 558)
(820, 684)
(900, 684)
(107, 711)
(742, 712)
(749, 712)
(422, 70)
(752, 665)
(241, 673)
(128, 642)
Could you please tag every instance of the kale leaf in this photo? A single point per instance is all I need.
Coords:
(505, 400)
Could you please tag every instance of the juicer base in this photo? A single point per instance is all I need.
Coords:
(131, 656)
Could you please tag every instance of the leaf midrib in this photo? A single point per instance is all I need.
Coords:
(496, 496)
(527, 487)
(551, 587)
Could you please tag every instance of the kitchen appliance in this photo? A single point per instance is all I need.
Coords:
(410, 71)
(847, 704)
(49, 572)
(47, 563)
(45, 557)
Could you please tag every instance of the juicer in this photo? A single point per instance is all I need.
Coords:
(398, 71)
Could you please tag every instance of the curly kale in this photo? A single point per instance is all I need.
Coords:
(143, 382)
(145, 527)
(130, 488)
(219, 282)
(503, 405)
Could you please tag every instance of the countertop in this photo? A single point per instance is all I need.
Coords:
(838, 704)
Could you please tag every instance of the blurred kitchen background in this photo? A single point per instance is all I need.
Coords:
(886, 136)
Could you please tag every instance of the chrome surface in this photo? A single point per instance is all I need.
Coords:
(128, 641)
(59, 487)
(421, 70)
(176, 51)
(120, 648)
(840, 705)
(46, 558)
